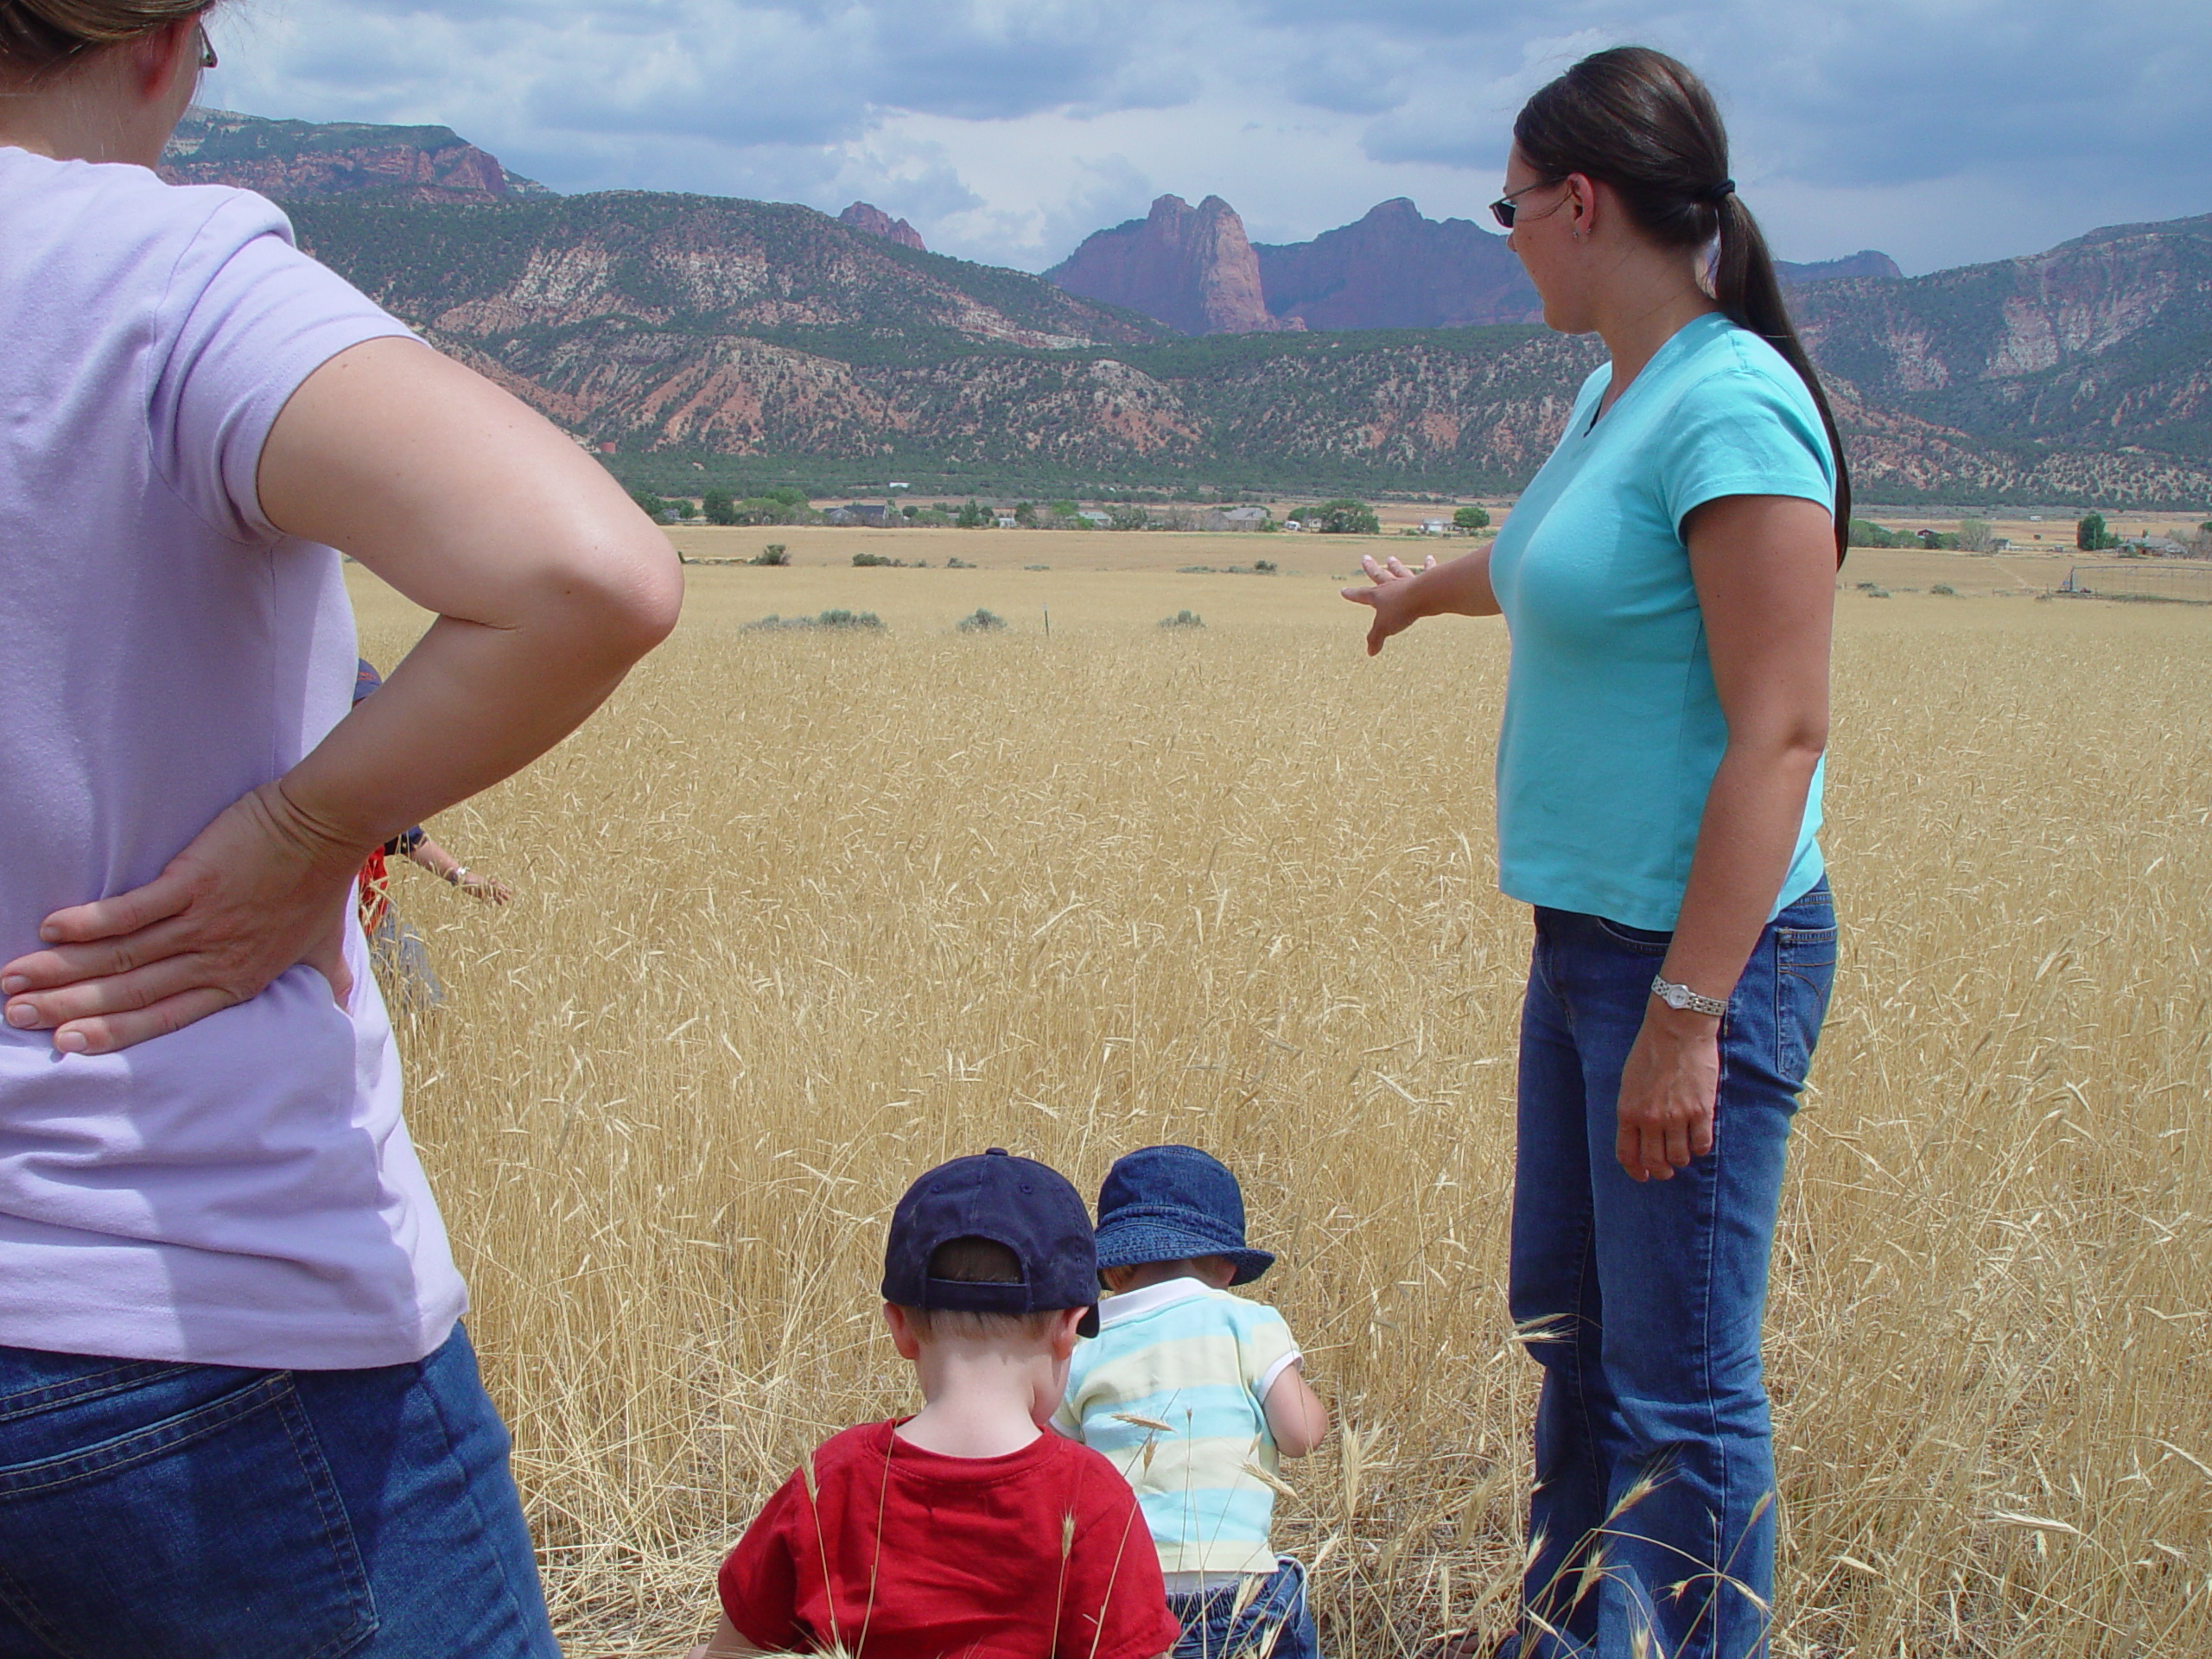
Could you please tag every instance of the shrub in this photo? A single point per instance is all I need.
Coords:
(774, 553)
(1264, 567)
(984, 621)
(1036, 567)
(867, 622)
(1471, 519)
(1872, 592)
(1945, 589)
(1183, 619)
(958, 564)
(869, 561)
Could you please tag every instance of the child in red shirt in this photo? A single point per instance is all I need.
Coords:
(968, 1531)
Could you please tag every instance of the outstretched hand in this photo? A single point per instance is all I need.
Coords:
(1389, 596)
(259, 891)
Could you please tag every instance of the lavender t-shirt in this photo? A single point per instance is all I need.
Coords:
(242, 1192)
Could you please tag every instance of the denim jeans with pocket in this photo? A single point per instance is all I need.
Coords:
(1272, 1621)
(1653, 1513)
(157, 1511)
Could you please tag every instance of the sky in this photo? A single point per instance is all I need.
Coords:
(1943, 132)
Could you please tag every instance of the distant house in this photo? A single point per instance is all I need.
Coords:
(1006, 521)
(1236, 518)
(1095, 519)
(1435, 527)
(873, 513)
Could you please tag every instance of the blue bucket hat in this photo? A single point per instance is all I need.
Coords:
(1169, 1204)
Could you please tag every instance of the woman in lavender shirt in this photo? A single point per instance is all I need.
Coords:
(238, 1417)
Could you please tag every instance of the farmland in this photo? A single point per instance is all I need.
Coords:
(803, 912)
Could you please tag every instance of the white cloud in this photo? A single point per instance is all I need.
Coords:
(1941, 131)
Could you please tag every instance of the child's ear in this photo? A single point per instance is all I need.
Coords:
(1063, 1331)
(903, 1337)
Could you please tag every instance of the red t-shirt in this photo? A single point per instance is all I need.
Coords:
(1039, 1555)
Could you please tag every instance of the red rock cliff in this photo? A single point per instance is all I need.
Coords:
(1189, 267)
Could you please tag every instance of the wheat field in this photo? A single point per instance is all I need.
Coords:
(800, 914)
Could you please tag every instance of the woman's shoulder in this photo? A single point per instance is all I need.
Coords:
(108, 228)
(1729, 367)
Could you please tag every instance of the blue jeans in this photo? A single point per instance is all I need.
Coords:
(153, 1510)
(1277, 1623)
(1654, 1504)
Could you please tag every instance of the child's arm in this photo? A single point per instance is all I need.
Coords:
(1296, 1416)
(725, 1643)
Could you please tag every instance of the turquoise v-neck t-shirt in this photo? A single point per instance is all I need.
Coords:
(1613, 729)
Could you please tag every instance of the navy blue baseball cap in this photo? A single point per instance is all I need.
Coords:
(1173, 1203)
(1017, 1202)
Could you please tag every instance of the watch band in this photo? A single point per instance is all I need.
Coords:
(1684, 1000)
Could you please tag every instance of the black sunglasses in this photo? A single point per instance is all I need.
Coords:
(1504, 209)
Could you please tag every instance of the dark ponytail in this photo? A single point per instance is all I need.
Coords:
(1641, 122)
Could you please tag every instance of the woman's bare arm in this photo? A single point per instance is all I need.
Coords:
(549, 585)
(1764, 567)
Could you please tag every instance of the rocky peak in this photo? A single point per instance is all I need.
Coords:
(872, 221)
(1395, 268)
(1864, 262)
(1191, 267)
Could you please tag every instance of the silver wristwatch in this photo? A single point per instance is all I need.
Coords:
(1682, 1000)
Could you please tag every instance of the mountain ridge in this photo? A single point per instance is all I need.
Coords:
(725, 337)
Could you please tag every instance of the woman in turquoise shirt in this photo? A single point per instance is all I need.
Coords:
(1668, 581)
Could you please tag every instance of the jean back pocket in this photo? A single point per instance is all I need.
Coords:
(1803, 980)
(214, 1532)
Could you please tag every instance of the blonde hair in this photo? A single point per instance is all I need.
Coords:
(37, 36)
(975, 1262)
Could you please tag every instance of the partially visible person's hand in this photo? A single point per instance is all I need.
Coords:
(1667, 1090)
(489, 889)
(258, 890)
(1391, 597)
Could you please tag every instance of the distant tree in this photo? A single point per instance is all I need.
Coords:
(1973, 535)
(1864, 532)
(1471, 519)
(1069, 509)
(718, 507)
(974, 516)
(1343, 517)
(685, 509)
(649, 504)
(1024, 514)
(774, 553)
(1127, 515)
(2091, 535)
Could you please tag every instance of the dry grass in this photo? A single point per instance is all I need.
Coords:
(801, 915)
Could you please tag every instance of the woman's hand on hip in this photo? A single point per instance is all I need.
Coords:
(260, 890)
(1667, 1090)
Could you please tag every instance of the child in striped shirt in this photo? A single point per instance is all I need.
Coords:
(1184, 1386)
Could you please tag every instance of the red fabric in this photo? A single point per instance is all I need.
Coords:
(967, 1561)
(376, 891)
